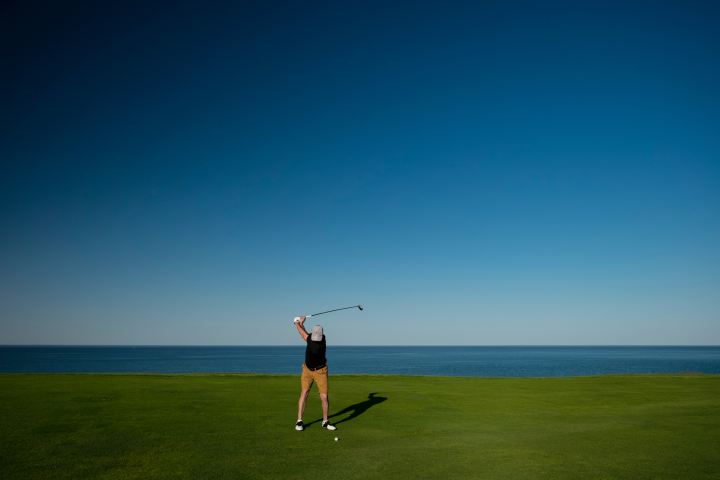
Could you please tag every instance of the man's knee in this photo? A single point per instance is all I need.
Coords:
(324, 396)
(304, 393)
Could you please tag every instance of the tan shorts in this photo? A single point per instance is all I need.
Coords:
(318, 376)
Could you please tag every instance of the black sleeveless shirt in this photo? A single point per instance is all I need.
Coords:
(315, 353)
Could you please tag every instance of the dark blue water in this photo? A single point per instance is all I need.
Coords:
(467, 361)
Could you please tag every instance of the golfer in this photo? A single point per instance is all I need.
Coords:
(314, 370)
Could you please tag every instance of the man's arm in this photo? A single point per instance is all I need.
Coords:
(301, 328)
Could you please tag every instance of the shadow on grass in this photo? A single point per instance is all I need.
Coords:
(355, 410)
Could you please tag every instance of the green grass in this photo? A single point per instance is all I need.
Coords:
(241, 426)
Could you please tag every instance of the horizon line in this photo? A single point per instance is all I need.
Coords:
(345, 345)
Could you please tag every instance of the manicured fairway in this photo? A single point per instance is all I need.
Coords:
(241, 426)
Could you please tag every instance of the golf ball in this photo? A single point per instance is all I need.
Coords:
(336, 439)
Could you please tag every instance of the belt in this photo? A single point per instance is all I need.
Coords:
(316, 368)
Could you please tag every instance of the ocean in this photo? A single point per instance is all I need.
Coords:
(519, 361)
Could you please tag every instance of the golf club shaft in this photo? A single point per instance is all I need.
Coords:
(335, 310)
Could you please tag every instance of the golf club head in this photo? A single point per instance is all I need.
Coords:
(360, 307)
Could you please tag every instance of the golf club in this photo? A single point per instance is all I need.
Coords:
(360, 307)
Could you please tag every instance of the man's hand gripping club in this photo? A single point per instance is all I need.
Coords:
(300, 325)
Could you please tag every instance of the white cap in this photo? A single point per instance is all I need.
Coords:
(317, 333)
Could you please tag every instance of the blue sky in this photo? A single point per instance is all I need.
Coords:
(484, 173)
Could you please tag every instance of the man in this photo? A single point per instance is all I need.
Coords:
(314, 370)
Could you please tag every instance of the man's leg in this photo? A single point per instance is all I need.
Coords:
(301, 403)
(321, 379)
(325, 406)
(306, 382)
